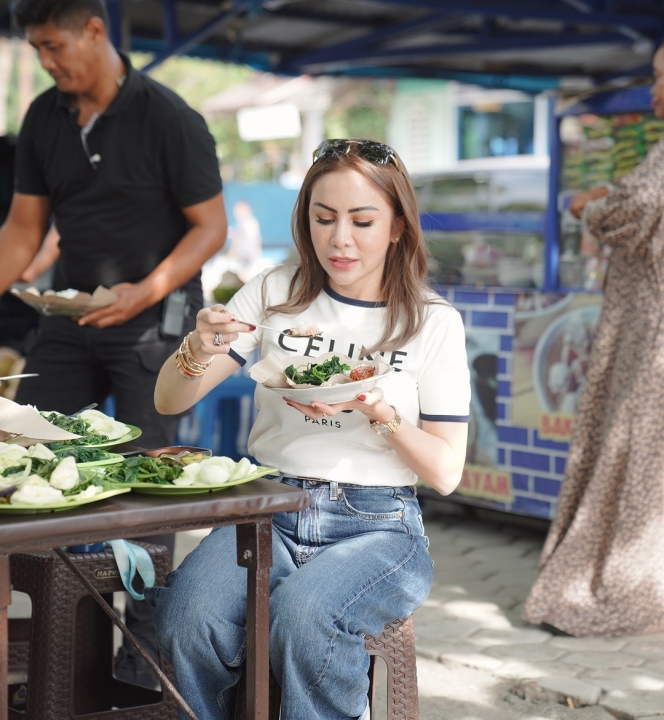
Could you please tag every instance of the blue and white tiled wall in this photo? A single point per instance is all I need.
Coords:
(536, 465)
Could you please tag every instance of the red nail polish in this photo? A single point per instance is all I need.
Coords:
(361, 397)
(252, 328)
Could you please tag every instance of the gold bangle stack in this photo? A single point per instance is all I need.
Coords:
(187, 364)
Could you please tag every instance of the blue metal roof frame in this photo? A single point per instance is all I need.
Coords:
(523, 45)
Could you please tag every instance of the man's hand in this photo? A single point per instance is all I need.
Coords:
(132, 300)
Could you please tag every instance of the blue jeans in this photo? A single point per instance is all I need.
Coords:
(354, 560)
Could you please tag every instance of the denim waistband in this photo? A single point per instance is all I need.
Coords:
(307, 481)
(305, 478)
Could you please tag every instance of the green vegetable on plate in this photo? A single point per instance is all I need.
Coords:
(316, 373)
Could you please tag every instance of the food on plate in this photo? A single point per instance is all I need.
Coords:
(567, 373)
(316, 373)
(362, 372)
(41, 480)
(102, 424)
(80, 453)
(328, 373)
(211, 471)
(35, 491)
(68, 294)
(13, 455)
(69, 302)
(304, 330)
(65, 475)
(94, 426)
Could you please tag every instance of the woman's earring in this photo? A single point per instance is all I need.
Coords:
(396, 239)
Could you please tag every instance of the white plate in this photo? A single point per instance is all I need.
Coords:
(331, 394)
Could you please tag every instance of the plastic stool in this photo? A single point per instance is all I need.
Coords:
(396, 645)
(70, 657)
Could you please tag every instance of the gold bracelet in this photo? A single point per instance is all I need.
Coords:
(183, 371)
(187, 364)
(189, 358)
(191, 370)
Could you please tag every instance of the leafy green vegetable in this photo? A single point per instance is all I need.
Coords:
(316, 373)
(76, 426)
(80, 453)
(143, 469)
(44, 468)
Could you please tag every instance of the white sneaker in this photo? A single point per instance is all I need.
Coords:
(366, 715)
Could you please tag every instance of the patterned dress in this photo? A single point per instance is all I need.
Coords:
(602, 567)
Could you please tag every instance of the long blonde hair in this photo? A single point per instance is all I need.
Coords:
(404, 273)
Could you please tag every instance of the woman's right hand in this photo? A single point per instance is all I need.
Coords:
(215, 330)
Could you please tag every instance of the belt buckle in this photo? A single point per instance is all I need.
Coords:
(317, 481)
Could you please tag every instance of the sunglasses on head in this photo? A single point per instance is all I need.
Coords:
(370, 150)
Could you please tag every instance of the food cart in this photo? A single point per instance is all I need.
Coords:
(528, 283)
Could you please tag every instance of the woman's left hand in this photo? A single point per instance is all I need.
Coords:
(372, 404)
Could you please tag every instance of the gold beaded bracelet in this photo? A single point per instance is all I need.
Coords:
(187, 364)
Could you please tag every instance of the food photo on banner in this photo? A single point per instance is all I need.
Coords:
(481, 477)
(552, 339)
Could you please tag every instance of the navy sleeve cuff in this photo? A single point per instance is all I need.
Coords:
(238, 358)
(445, 418)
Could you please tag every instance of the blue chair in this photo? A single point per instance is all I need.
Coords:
(216, 422)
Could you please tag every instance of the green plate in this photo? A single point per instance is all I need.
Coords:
(133, 433)
(199, 488)
(66, 504)
(113, 460)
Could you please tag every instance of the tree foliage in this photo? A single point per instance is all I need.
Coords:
(361, 110)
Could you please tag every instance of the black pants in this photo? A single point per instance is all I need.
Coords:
(81, 365)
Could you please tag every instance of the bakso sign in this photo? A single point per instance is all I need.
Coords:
(556, 426)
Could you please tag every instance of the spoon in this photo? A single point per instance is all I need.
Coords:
(83, 409)
(16, 377)
(288, 332)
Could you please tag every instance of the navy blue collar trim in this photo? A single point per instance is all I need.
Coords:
(350, 301)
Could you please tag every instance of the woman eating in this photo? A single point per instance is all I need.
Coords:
(357, 558)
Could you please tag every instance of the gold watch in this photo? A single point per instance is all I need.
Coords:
(387, 428)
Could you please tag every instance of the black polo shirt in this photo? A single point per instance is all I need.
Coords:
(117, 205)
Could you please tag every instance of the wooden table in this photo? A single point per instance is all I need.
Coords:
(249, 507)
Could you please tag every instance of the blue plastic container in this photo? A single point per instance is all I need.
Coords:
(89, 548)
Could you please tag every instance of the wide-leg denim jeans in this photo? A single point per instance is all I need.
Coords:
(354, 560)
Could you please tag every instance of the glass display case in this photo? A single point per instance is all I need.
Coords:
(485, 225)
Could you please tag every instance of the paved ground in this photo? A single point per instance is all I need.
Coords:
(477, 660)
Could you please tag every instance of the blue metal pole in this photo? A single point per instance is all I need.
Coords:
(114, 10)
(183, 44)
(551, 223)
(170, 19)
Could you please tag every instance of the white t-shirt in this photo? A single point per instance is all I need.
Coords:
(431, 382)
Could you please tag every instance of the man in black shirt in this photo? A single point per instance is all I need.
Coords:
(129, 174)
